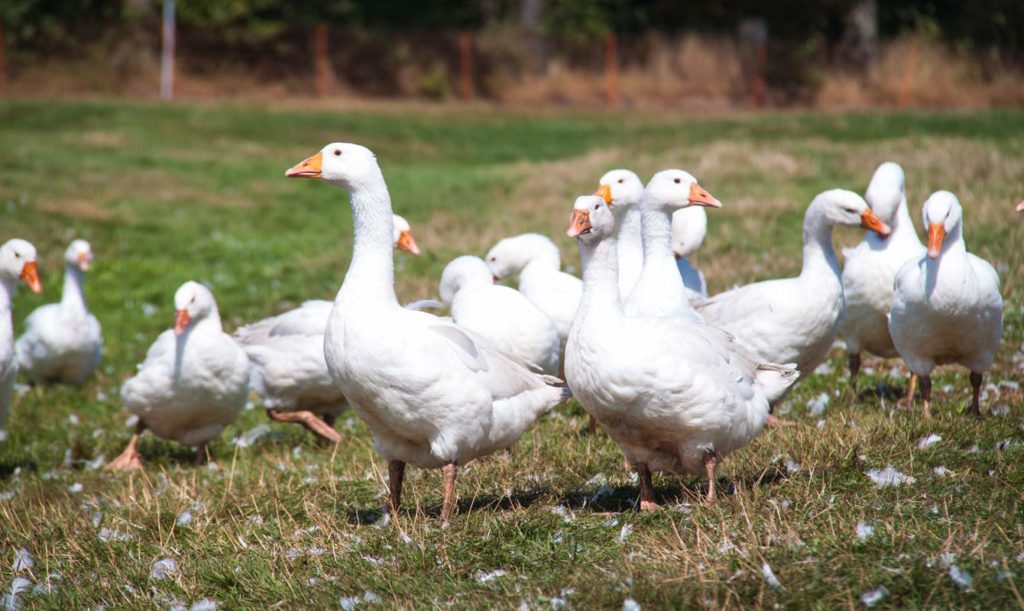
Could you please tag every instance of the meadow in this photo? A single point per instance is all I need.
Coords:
(171, 193)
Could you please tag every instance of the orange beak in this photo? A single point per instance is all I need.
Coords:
(579, 223)
(30, 275)
(700, 197)
(181, 320)
(84, 261)
(1020, 206)
(406, 243)
(868, 220)
(936, 234)
(605, 193)
(310, 168)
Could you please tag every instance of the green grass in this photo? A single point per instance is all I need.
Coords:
(171, 193)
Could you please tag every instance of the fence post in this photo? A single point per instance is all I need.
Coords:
(909, 69)
(466, 66)
(611, 70)
(167, 35)
(320, 51)
(3, 61)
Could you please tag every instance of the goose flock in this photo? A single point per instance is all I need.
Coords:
(677, 378)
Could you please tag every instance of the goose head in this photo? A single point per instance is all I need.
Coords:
(672, 190)
(591, 220)
(886, 191)
(79, 254)
(842, 207)
(343, 164)
(942, 215)
(620, 189)
(463, 272)
(403, 235)
(18, 261)
(192, 302)
(510, 255)
(689, 227)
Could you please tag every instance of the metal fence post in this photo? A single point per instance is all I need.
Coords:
(167, 36)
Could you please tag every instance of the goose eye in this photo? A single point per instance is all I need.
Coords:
(17, 255)
(678, 180)
(337, 152)
(622, 180)
(494, 258)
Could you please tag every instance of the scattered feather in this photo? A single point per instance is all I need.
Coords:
(22, 561)
(10, 598)
(184, 518)
(75, 488)
(817, 405)
(253, 435)
(864, 531)
(961, 578)
(491, 576)
(926, 442)
(889, 477)
(162, 569)
(770, 578)
(631, 605)
(109, 534)
(873, 597)
(624, 532)
(941, 471)
(205, 604)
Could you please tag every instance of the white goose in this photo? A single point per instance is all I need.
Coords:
(676, 396)
(795, 320)
(537, 262)
(660, 290)
(17, 262)
(622, 190)
(434, 394)
(689, 228)
(870, 268)
(62, 341)
(193, 383)
(499, 314)
(947, 307)
(288, 368)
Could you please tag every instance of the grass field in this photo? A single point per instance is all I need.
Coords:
(171, 193)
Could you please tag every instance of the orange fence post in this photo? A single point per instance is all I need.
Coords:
(757, 86)
(3, 61)
(320, 61)
(611, 70)
(466, 66)
(909, 69)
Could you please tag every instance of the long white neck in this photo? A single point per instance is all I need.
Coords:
(630, 249)
(73, 297)
(819, 255)
(903, 231)
(7, 286)
(659, 266)
(600, 280)
(370, 279)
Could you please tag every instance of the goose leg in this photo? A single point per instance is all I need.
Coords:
(592, 425)
(129, 459)
(908, 400)
(926, 395)
(646, 488)
(976, 379)
(854, 369)
(448, 506)
(309, 420)
(201, 454)
(396, 473)
(710, 467)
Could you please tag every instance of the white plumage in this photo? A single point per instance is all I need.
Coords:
(689, 228)
(17, 262)
(193, 382)
(870, 268)
(433, 394)
(499, 314)
(537, 262)
(675, 395)
(947, 307)
(62, 341)
(795, 320)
